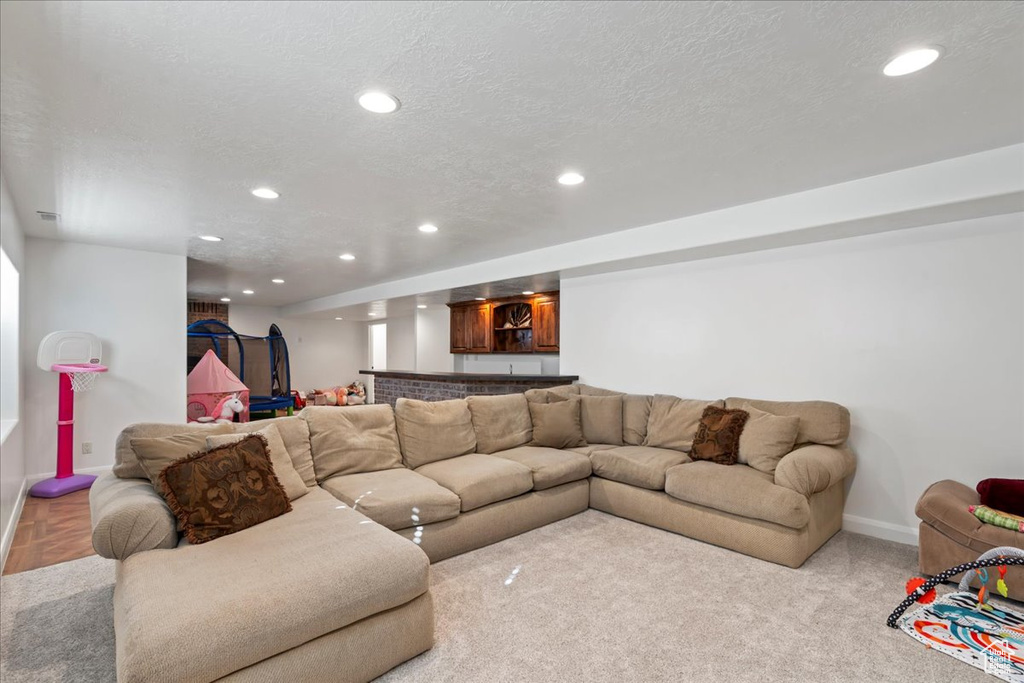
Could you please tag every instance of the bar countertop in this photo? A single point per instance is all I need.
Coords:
(471, 376)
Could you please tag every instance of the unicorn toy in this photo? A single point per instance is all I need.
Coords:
(225, 410)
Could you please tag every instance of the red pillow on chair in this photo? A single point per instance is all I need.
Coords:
(1005, 495)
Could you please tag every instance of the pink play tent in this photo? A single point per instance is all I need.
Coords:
(209, 384)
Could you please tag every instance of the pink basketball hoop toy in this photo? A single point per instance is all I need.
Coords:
(76, 356)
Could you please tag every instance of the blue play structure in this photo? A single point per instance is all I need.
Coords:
(261, 363)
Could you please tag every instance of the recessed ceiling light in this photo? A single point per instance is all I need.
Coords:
(248, 291)
(570, 178)
(909, 62)
(421, 306)
(373, 314)
(211, 238)
(528, 292)
(225, 299)
(479, 298)
(347, 257)
(428, 227)
(277, 281)
(378, 102)
(339, 318)
(265, 193)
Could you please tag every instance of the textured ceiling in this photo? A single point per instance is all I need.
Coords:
(146, 124)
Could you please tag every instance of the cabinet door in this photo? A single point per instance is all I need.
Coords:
(545, 325)
(478, 328)
(458, 329)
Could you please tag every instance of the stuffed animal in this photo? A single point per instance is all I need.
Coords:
(224, 411)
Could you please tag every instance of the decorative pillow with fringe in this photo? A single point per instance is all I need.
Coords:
(226, 489)
(718, 435)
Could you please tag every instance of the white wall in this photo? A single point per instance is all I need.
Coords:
(522, 363)
(433, 343)
(919, 332)
(401, 343)
(322, 353)
(12, 449)
(135, 302)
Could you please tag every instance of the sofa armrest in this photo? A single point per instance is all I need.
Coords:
(128, 516)
(814, 468)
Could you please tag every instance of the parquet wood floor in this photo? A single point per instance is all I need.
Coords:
(50, 531)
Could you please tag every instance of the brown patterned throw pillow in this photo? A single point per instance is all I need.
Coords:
(224, 490)
(718, 435)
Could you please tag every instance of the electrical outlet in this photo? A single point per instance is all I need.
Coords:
(86, 447)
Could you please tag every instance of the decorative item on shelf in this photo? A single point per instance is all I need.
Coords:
(520, 315)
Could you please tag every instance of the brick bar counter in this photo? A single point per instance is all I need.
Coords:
(390, 385)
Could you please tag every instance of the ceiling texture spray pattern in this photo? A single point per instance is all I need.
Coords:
(146, 125)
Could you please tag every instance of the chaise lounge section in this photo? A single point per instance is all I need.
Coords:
(311, 593)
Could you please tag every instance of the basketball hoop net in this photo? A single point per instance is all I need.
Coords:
(82, 375)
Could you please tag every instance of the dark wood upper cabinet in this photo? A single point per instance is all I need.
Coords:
(471, 327)
(545, 325)
(523, 324)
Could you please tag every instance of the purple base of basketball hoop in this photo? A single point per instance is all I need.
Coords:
(54, 487)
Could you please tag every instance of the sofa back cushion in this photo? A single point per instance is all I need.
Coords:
(821, 422)
(587, 390)
(601, 416)
(544, 395)
(636, 411)
(500, 422)
(126, 462)
(352, 439)
(429, 431)
(294, 432)
(673, 422)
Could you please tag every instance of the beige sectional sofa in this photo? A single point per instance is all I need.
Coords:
(312, 594)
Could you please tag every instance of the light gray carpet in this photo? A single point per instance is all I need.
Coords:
(592, 598)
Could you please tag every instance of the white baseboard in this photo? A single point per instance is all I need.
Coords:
(884, 530)
(12, 524)
(33, 479)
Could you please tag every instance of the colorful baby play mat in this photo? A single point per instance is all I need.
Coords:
(991, 639)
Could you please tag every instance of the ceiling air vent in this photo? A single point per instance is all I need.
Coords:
(48, 216)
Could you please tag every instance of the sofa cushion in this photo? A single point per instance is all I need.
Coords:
(500, 422)
(398, 498)
(261, 591)
(944, 505)
(601, 417)
(739, 490)
(642, 466)
(126, 463)
(557, 424)
(433, 430)
(820, 421)
(550, 466)
(352, 439)
(587, 390)
(766, 438)
(545, 395)
(279, 458)
(479, 479)
(294, 431)
(155, 454)
(718, 435)
(590, 448)
(636, 411)
(224, 490)
(673, 421)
